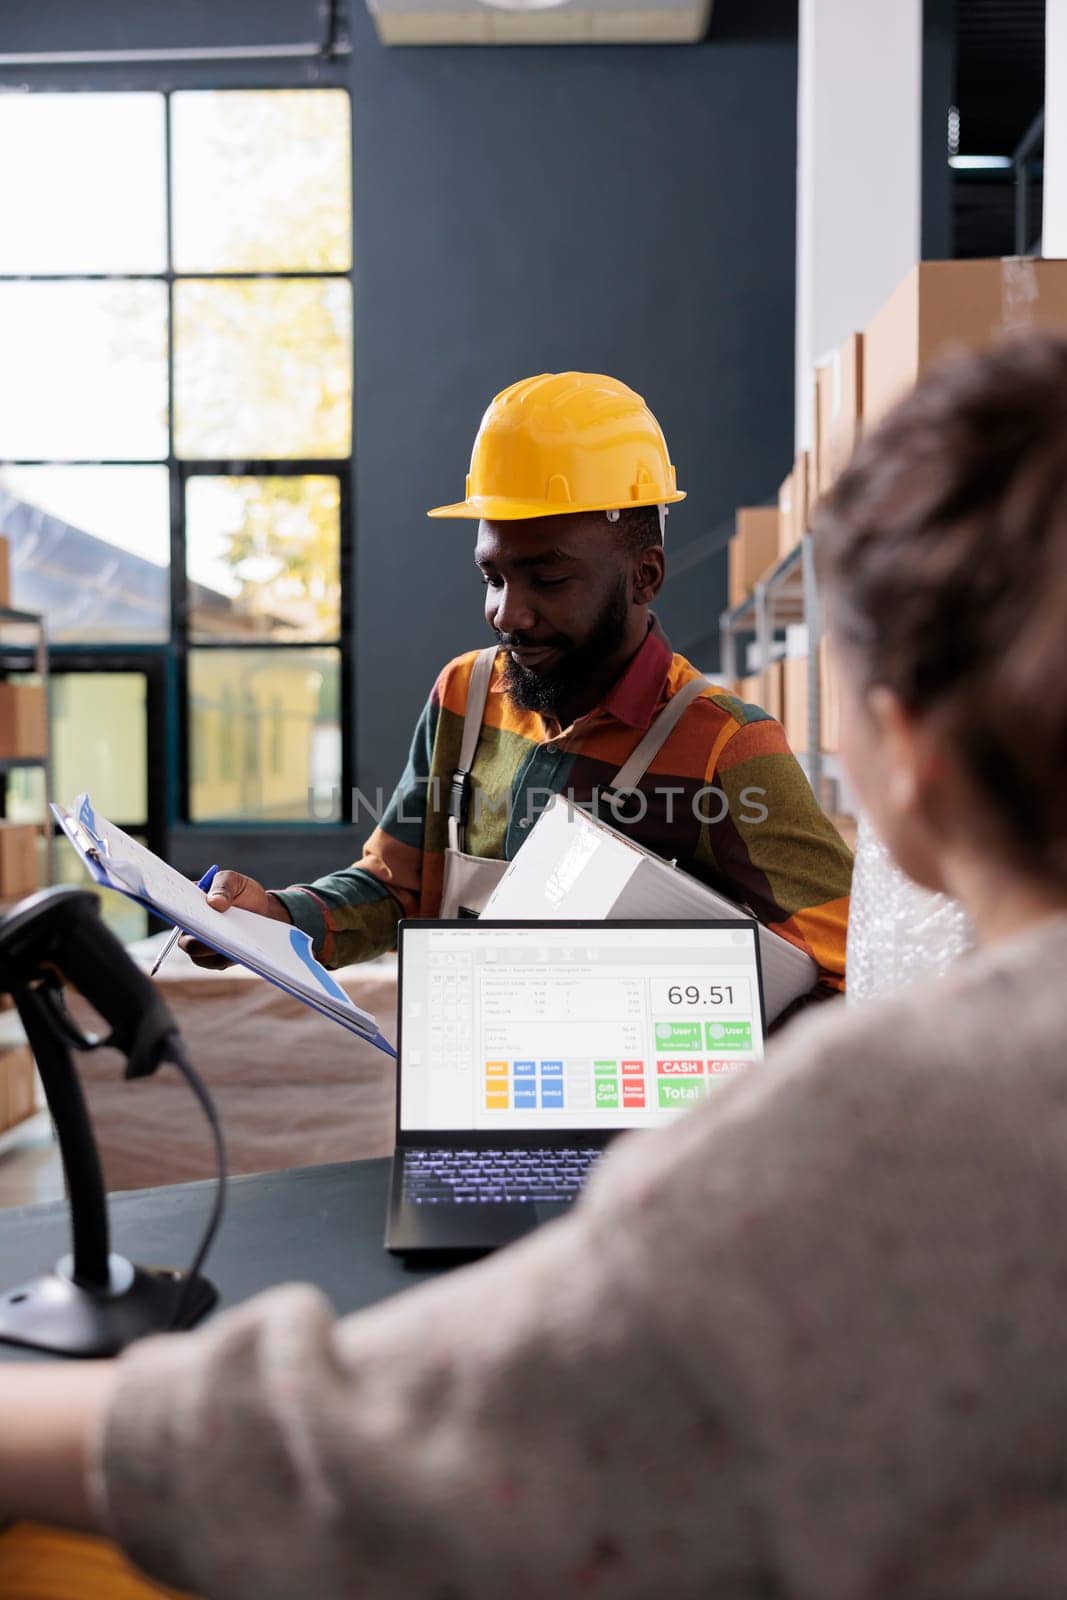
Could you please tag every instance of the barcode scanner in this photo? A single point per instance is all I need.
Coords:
(94, 1303)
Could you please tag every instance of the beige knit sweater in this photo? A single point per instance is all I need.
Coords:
(810, 1341)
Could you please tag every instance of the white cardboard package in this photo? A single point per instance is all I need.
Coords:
(574, 867)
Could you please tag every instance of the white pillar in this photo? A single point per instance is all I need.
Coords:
(1054, 231)
(859, 183)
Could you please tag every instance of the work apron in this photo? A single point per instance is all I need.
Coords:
(470, 880)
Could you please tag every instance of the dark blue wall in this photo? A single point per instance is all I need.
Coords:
(627, 209)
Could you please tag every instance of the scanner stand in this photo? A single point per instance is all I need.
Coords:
(93, 1303)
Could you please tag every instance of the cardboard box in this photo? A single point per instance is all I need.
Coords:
(947, 306)
(838, 415)
(23, 720)
(785, 517)
(795, 701)
(793, 503)
(802, 496)
(770, 690)
(763, 689)
(5, 572)
(846, 405)
(753, 548)
(18, 1098)
(19, 873)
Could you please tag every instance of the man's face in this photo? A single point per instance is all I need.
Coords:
(559, 594)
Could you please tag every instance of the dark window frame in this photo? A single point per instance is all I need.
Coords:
(172, 793)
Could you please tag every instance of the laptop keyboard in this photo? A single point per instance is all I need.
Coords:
(492, 1177)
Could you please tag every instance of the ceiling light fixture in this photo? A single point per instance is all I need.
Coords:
(524, 5)
(980, 163)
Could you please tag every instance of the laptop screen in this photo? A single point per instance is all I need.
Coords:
(551, 1026)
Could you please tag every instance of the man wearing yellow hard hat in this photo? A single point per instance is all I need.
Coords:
(581, 694)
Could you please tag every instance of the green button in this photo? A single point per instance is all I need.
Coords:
(605, 1069)
(607, 1092)
(675, 1093)
(729, 1035)
(674, 1036)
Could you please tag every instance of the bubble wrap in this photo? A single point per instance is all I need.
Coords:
(897, 932)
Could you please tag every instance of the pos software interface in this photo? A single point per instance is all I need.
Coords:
(524, 1047)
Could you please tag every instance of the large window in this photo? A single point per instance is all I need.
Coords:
(176, 420)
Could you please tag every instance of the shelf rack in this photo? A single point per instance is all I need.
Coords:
(28, 656)
(785, 594)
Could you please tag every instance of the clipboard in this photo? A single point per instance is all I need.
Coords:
(276, 951)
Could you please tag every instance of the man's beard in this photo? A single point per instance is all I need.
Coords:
(549, 692)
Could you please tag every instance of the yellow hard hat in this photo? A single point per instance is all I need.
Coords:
(565, 442)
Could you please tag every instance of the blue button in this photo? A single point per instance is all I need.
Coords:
(525, 1069)
(552, 1069)
(525, 1097)
(552, 1096)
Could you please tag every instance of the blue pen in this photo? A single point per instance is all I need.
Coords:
(205, 884)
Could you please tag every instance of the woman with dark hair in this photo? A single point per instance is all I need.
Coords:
(810, 1340)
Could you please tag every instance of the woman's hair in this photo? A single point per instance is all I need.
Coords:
(943, 554)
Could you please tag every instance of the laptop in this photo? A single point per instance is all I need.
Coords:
(524, 1048)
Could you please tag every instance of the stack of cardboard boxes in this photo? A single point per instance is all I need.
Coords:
(23, 735)
(753, 551)
(19, 870)
(837, 413)
(947, 306)
(941, 307)
(794, 503)
(23, 731)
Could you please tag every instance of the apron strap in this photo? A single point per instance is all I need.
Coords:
(632, 771)
(459, 792)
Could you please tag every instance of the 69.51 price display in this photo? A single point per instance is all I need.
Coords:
(697, 995)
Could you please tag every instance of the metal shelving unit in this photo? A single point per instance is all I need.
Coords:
(785, 594)
(28, 655)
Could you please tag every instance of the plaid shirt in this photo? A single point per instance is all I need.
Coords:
(724, 797)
